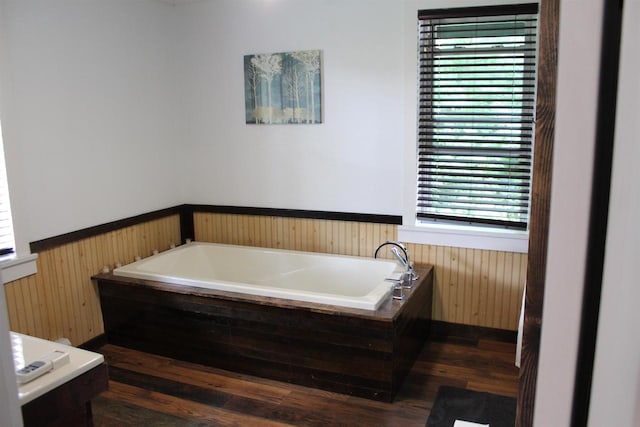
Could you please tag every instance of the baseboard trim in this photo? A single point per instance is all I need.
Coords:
(439, 331)
(445, 330)
(94, 343)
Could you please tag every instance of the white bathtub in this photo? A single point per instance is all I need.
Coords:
(345, 281)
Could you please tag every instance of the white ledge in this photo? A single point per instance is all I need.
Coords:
(465, 236)
(15, 267)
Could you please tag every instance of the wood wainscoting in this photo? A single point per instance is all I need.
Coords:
(60, 300)
(471, 287)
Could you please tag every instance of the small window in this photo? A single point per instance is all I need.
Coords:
(7, 243)
(477, 77)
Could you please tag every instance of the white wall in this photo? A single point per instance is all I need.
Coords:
(352, 162)
(578, 74)
(615, 397)
(89, 112)
(10, 413)
(113, 108)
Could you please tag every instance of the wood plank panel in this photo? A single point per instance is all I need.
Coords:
(11, 291)
(60, 300)
(158, 405)
(359, 352)
(70, 403)
(473, 287)
(549, 18)
(142, 400)
(30, 288)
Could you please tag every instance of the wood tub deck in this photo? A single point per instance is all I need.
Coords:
(353, 351)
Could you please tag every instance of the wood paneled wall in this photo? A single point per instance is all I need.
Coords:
(472, 287)
(60, 300)
(313, 235)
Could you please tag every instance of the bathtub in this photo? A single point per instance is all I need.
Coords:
(250, 318)
(344, 281)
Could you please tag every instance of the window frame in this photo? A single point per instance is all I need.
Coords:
(12, 265)
(476, 109)
(416, 230)
(7, 234)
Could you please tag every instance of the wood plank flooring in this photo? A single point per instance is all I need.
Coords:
(149, 390)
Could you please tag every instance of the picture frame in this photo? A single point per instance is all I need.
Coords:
(283, 88)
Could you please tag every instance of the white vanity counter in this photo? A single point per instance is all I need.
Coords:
(27, 349)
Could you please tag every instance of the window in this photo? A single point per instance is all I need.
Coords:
(6, 226)
(12, 266)
(477, 74)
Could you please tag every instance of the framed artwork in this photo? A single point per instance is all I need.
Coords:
(283, 87)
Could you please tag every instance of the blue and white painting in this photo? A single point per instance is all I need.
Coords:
(283, 87)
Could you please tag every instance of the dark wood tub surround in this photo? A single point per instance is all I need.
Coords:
(352, 351)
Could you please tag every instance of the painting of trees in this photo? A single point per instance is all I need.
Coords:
(283, 87)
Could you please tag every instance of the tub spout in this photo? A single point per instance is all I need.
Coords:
(403, 258)
(399, 257)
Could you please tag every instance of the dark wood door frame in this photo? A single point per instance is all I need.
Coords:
(540, 203)
(548, 23)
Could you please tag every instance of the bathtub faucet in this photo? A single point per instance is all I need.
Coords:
(404, 259)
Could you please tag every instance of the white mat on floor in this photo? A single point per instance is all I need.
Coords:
(460, 423)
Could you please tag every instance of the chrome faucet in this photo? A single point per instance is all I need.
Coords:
(409, 275)
(404, 259)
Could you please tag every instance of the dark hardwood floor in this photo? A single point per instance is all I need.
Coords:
(148, 390)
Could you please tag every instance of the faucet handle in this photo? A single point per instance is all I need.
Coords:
(398, 285)
(412, 274)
